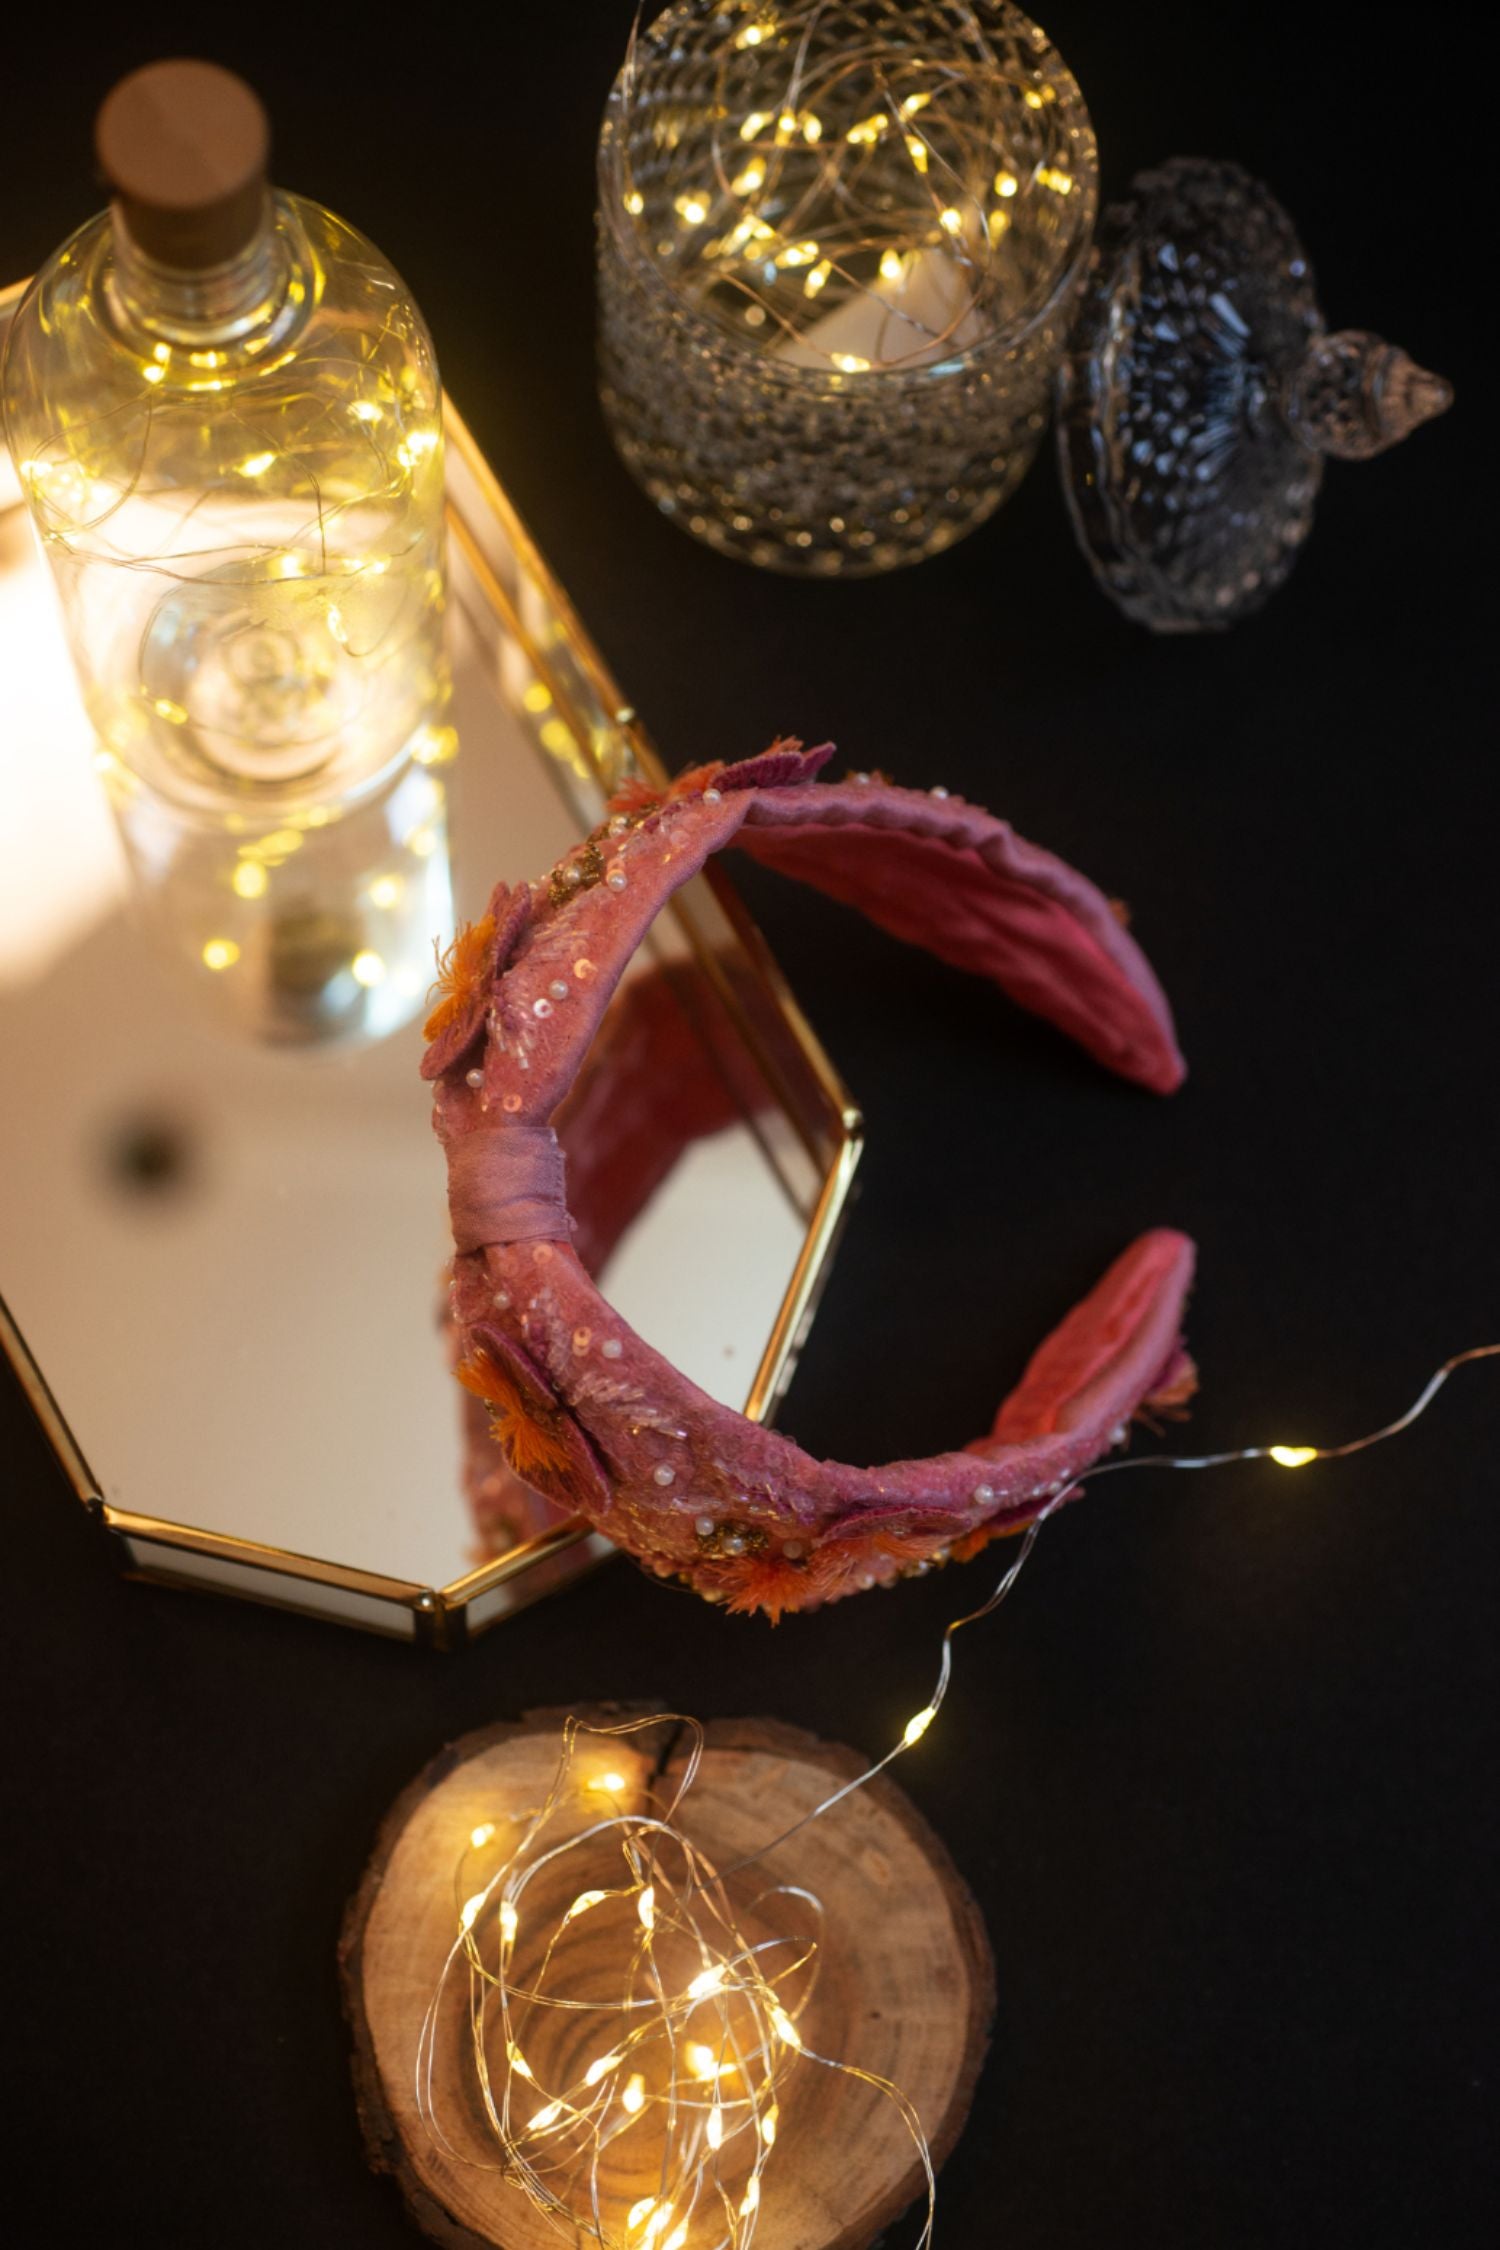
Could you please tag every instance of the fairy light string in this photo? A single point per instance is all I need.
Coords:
(693, 2044)
(697, 2038)
(833, 160)
(1285, 1457)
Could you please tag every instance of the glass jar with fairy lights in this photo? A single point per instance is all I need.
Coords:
(225, 413)
(840, 248)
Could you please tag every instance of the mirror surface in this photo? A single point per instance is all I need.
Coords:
(226, 1257)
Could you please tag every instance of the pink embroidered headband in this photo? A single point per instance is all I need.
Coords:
(583, 1408)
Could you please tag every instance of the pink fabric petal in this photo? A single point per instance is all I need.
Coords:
(783, 766)
(1110, 1353)
(952, 878)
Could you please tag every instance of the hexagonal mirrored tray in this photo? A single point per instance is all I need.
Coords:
(222, 1259)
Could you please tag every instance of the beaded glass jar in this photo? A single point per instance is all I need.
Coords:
(840, 248)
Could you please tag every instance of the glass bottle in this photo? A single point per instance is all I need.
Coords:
(225, 413)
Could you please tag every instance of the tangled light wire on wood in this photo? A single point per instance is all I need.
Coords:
(694, 2027)
(652, 2009)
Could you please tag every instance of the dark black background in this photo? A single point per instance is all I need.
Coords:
(1222, 1774)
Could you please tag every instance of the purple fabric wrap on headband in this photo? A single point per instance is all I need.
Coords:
(505, 1184)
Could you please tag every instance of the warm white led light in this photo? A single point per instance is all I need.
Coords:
(769, 2040)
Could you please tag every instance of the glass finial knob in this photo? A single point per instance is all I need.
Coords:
(1354, 394)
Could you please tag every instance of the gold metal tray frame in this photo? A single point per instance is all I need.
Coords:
(593, 741)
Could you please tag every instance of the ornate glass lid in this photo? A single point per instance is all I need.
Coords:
(1201, 393)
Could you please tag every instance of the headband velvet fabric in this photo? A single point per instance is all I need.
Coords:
(584, 1409)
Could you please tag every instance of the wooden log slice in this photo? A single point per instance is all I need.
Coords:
(906, 1986)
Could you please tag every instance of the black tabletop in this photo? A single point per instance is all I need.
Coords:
(1219, 1775)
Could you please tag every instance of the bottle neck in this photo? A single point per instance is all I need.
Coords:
(216, 305)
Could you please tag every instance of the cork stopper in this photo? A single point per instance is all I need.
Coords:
(183, 147)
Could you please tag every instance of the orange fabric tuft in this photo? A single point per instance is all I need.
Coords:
(459, 971)
(634, 796)
(1169, 1401)
(1181, 1386)
(974, 1542)
(638, 796)
(695, 779)
(837, 1568)
(769, 1583)
(912, 1546)
(533, 1446)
